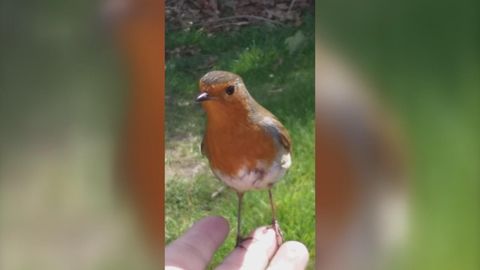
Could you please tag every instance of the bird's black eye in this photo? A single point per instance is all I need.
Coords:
(230, 90)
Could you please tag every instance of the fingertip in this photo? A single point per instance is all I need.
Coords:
(214, 228)
(219, 225)
(198, 243)
(291, 255)
(218, 221)
(254, 252)
(264, 233)
(296, 249)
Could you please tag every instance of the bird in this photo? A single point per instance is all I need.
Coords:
(247, 147)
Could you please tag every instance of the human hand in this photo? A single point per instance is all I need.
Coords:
(195, 248)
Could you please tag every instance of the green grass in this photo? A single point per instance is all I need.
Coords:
(278, 77)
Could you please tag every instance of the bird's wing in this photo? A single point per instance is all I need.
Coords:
(278, 131)
(202, 147)
(285, 138)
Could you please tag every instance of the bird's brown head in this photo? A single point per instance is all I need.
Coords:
(223, 92)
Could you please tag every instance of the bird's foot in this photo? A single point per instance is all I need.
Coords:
(241, 240)
(278, 232)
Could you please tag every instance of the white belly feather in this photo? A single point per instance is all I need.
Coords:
(262, 177)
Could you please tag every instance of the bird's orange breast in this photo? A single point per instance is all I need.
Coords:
(232, 143)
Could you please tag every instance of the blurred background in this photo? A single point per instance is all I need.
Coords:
(422, 60)
(63, 104)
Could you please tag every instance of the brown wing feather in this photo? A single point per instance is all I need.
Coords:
(277, 130)
(202, 147)
(272, 125)
(285, 138)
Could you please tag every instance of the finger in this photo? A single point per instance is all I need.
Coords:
(194, 249)
(254, 253)
(291, 255)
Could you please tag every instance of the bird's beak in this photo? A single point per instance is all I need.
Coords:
(202, 97)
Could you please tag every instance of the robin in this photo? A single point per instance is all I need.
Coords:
(246, 145)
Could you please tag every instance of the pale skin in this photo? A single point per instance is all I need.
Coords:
(195, 248)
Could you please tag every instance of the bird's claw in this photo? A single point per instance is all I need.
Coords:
(278, 232)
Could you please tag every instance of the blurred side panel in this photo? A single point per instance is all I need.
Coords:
(65, 94)
(397, 107)
(140, 29)
(361, 172)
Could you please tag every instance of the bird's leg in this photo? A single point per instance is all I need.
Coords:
(275, 225)
(240, 239)
(239, 218)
